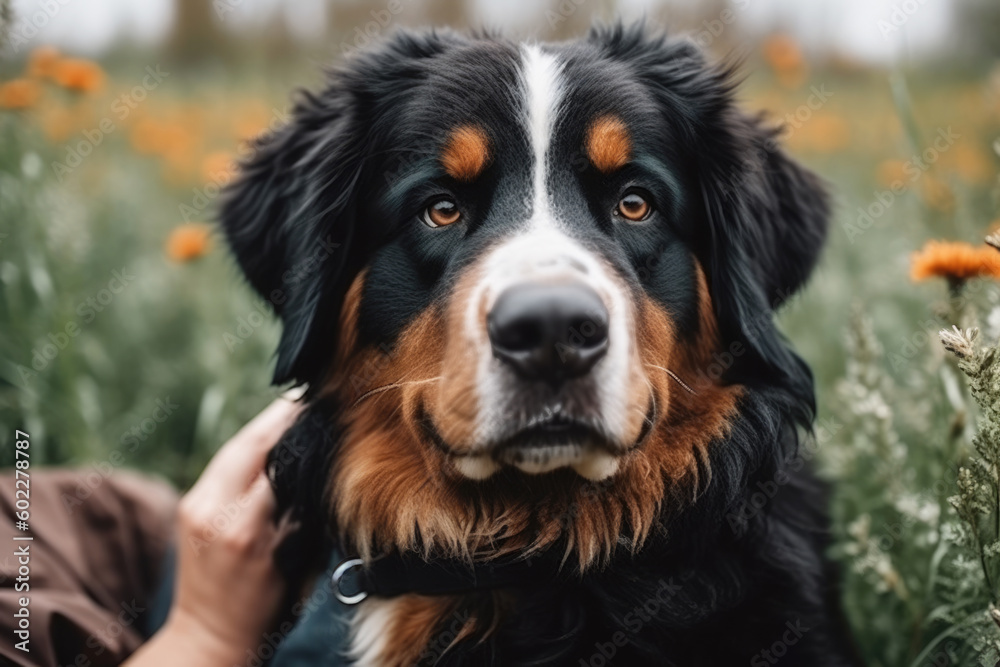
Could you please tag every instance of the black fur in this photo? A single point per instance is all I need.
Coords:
(352, 167)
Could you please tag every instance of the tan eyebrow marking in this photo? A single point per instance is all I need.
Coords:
(466, 153)
(608, 144)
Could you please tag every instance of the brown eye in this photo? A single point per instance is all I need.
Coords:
(634, 207)
(442, 213)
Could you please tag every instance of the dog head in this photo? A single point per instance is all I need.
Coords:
(545, 279)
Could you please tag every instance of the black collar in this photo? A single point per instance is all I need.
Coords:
(396, 574)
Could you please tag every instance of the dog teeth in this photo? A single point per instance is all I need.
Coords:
(538, 460)
(599, 465)
(476, 467)
(588, 461)
(547, 415)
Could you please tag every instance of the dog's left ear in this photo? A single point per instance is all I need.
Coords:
(766, 211)
(767, 221)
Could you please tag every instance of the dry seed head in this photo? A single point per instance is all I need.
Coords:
(960, 343)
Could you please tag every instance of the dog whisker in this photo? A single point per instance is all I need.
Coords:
(674, 376)
(394, 385)
(649, 417)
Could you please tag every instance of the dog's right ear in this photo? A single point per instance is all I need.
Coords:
(290, 217)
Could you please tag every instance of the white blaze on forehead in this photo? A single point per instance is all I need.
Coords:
(542, 250)
(542, 90)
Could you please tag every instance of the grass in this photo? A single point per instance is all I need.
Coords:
(135, 368)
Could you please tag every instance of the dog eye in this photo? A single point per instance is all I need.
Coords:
(442, 213)
(633, 206)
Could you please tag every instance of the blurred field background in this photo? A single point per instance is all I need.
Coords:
(128, 339)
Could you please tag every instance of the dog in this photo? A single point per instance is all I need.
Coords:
(530, 290)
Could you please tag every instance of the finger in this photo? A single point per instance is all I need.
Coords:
(257, 517)
(263, 431)
(237, 463)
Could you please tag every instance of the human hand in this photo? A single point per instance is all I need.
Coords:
(228, 590)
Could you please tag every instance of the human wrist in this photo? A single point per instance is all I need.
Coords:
(198, 639)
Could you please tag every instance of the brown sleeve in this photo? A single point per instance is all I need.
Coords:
(98, 541)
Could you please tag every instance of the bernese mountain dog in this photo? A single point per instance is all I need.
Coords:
(549, 415)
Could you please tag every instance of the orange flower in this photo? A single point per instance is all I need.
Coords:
(830, 133)
(251, 123)
(43, 62)
(823, 133)
(782, 52)
(170, 140)
(954, 260)
(892, 173)
(19, 94)
(80, 75)
(188, 242)
(785, 57)
(218, 168)
(147, 136)
(971, 164)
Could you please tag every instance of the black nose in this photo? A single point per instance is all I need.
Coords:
(549, 332)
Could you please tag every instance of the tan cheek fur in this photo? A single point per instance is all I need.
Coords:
(678, 447)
